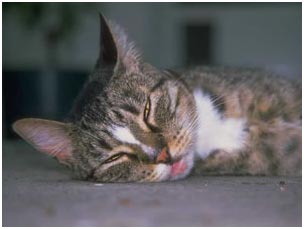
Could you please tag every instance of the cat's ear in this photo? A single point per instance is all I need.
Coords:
(107, 47)
(115, 48)
(47, 136)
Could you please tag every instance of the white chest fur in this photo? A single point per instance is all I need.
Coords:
(215, 132)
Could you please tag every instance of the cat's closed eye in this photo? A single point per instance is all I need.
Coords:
(114, 157)
(119, 155)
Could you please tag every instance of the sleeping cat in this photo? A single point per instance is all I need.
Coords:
(135, 123)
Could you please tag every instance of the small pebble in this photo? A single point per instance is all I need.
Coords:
(282, 186)
(98, 184)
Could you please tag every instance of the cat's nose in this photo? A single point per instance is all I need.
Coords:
(164, 156)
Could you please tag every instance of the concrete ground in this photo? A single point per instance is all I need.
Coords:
(39, 192)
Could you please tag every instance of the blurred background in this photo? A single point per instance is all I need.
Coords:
(50, 48)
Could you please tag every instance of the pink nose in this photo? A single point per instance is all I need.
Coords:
(164, 156)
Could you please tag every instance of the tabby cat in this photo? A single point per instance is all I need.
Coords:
(135, 123)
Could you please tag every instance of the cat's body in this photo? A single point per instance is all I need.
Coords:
(132, 122)
(254, 123)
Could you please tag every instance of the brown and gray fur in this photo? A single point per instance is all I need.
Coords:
(157, 111)
(272, 107)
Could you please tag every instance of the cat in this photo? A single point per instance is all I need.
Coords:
(135, 123)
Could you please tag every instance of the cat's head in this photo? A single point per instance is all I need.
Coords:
(131, 122)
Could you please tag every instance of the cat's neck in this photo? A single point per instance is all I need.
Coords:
(215, 132)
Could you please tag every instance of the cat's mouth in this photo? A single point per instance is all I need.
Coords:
(174, 167)
(178, 168)
(181, 167)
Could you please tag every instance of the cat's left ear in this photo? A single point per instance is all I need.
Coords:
(46, 136)
(108, 55)
(115, 48)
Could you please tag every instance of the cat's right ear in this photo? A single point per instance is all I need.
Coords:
(47, 136)
(108, 54)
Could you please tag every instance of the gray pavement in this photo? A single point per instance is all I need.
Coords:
(39, 192)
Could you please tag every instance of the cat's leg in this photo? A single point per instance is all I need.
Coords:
(220, 162)
(272, 149)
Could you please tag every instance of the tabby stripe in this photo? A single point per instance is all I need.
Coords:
(159, 84)
(104, 144)
(105, 131)
(169, 104)
(118, 115)
(153, 128)
(130, 109)
(178, 97)
(177, 103)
